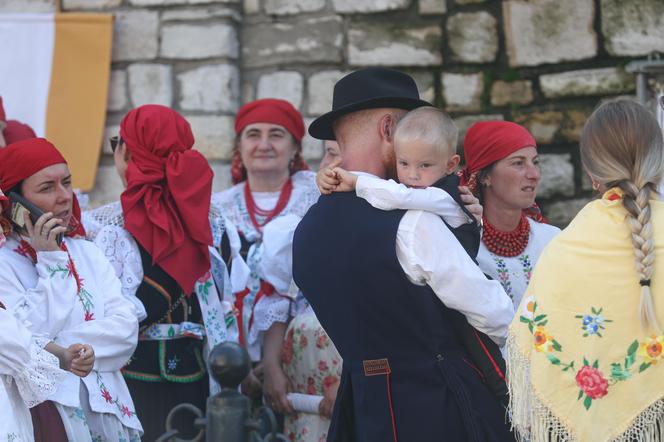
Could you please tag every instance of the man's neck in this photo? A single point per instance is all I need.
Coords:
(267, 182)
(503, 219)
(372, 167)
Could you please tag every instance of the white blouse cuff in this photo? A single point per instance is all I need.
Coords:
(41, 378)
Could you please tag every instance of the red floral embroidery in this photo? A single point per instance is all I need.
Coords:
(287, 351)
(311, 385)
(322, 366)
(89, 316)
(592, 382)
(126, 411)
(107, 396)
(204, 278)
(303, 341)
(321, 341)
(26, 250)
(329, 381)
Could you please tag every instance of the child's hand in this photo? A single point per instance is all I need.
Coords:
(347, 180)
(78, 359)
(326, 180)
(472, 204)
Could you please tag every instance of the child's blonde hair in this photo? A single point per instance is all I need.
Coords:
(429, 125)
(621, 146)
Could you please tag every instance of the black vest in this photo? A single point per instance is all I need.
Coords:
(404, 366)
(178, 360)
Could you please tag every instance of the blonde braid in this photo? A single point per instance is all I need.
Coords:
(637, 203)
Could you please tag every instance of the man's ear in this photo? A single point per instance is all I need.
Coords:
(386, 127)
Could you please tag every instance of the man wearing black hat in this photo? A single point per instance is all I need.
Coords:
(376, 280)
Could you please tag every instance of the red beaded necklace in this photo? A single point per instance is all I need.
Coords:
(268, 215)
(508, 244)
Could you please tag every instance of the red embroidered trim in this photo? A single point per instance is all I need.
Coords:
(239, 308)
(508, 244)
(389, 401)
(266, 289)
(253, 209)
(493, 362)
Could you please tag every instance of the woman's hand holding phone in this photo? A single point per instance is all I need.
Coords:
(43, 234)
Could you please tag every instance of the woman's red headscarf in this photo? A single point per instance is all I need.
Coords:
(487, 142)
(23, 159)
(273, 111)
(167, 201)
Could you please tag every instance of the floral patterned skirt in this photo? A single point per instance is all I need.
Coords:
(312, 364)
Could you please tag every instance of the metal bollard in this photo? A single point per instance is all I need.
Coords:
(228, 417)
(228, 411)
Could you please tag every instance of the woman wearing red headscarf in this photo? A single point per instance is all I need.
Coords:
(270, 182)
(67, 292)
(502, 170)
(158, 239)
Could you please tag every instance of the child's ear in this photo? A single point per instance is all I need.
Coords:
(453, 163)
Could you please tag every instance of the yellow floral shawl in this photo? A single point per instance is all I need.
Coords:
(580, 367)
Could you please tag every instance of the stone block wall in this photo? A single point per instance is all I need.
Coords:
(542, 63)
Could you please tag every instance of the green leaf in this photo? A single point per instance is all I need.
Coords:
(643, 367)
(543, 323)
(633, 347)
(594, 311)
(588, 402)
(596, 363)
(524, 320)
(629, 360)
(580, 395)
(554, 360)
(556, 345)
(585, 361)
(539, 318)
(599, 334)
(530, 327)
(578, 316)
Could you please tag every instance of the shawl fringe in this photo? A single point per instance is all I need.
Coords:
(532, 421)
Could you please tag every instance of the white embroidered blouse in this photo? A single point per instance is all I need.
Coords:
(28, 375)
(231, 202)
(46, 295)
(514, 272)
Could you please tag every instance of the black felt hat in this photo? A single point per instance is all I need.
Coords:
(368, 88)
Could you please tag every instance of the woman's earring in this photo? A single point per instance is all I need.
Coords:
(595, 186)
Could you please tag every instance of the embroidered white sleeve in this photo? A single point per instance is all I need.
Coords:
(267, 311)
(121, 250)
(41, 377)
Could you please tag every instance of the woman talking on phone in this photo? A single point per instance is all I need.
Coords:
(66, 290)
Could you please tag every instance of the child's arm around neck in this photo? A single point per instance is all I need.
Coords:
(390, 195)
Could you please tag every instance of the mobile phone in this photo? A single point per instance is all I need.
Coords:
(19, 206)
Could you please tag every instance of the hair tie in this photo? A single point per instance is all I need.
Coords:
(645, 282)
